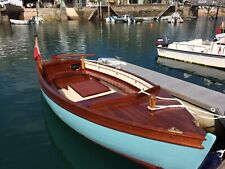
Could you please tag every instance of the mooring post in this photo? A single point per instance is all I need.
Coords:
(208, 11)
(108, 8)
(152, 101)
(217, 11)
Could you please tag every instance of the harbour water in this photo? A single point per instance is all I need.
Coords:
(31, 135)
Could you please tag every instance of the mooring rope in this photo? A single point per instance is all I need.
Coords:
(159, 107)
(221, 153)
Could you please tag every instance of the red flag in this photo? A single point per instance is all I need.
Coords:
(218, 30)
(37, 54)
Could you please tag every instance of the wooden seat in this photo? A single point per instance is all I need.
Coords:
(126, 99)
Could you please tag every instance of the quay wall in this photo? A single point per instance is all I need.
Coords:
(141, 10)
(28, 13)
(52, 14)
(57, 14)
(150, 10)
(134, 10)
(48, 14)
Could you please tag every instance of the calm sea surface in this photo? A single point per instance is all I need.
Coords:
(31, 136)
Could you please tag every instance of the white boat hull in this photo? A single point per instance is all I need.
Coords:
(211, 60)
(19, 22)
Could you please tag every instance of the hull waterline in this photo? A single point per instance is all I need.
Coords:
(149, 151)
(210, 60)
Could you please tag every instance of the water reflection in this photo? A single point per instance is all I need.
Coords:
(79, 151)
(216, 74)
(22, 123)
(203, 28)
(9, 38)
(133, 43)
(210, 76)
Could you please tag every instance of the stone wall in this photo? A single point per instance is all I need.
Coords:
(3, 17)
(141, 10)
(28, 13)
(85, 12)
(57, 14)
(50, 14)
(135, 10)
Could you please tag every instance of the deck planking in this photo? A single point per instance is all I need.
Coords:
(197, 95)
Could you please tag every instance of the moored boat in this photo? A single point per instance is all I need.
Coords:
(113, 19)
(20, 22)
(175, 18)
(33, 20)
(198, 51)
(122, 112)
(37, 19)
(122, 19)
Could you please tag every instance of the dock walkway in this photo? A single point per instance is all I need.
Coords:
(197, 95)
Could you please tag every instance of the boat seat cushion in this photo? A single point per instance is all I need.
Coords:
(89, 87)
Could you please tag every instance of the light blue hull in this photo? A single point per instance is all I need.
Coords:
(166, 155)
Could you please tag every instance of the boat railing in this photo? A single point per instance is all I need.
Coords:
(207, 42)
(190, 47)
(129, 78)
(223, 50)
(218, 49)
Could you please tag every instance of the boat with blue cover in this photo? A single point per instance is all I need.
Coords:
(121, 111)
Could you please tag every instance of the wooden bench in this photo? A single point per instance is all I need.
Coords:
(127, 99)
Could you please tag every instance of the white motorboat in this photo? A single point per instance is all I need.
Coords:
(33, 20)
(37, 19)
(198, 51)
(175, 18)
(113, 19)
(128, 18)
(20, 22)
(118, 19)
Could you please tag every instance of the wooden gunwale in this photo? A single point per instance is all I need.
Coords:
(130, 73)
(90, 114)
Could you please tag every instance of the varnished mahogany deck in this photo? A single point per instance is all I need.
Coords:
(125, 110)
(89, 87)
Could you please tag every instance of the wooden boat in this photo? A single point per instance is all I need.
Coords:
(122, 112)
(208, 53)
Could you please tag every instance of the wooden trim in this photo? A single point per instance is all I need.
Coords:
(127, 99)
